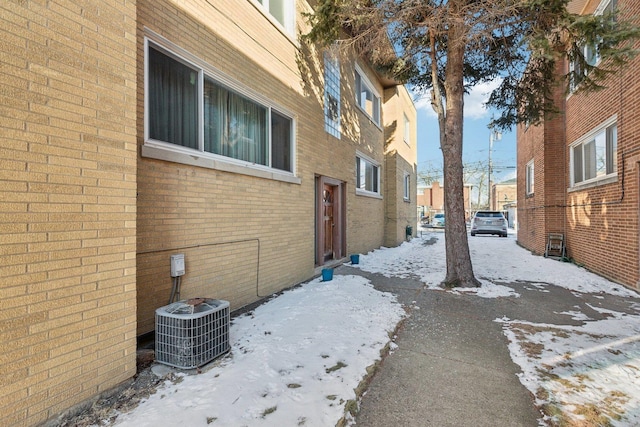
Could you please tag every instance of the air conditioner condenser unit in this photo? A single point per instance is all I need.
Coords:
(191, 333)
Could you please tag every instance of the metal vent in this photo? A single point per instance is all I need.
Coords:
(191, 333)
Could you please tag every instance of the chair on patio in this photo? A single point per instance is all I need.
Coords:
(555, 246)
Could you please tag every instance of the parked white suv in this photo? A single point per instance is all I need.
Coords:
(489, 222)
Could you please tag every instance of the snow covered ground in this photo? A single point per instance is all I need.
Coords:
(297, 359)
(588, 373)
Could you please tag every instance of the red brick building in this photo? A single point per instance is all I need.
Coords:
(578, 172)
(431, 199)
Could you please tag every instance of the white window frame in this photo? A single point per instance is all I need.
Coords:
(362, 82)
(332, 99)
(529, 178)
(363, 160)
(589, 51)
(407, 130)
(406, 187)
(289, 13)
(604, 6)
(604, 140)
(168, 151)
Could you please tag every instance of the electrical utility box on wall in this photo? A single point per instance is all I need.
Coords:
(177, 265)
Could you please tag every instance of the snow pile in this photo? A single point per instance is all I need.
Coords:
(495, 261)
(295, 360)
(588, 373)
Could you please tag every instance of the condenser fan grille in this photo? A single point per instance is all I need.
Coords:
(191, 333)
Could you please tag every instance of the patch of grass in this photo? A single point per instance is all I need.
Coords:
(563, 365)
(211, 419)
(351, 407)
(576, 383)
(569, 384)
(269, 411)
(582, 377)
(542, 394)
(616, 393)
(612, 404)
(588, 415)
(302, 421)
(548, 375)
(593, 417)
(293, 385)
(555, 413)
(533, 350)
(335, 367)
(332, 397)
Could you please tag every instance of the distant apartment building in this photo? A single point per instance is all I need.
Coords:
(134, 131)
(503, 193)
(578, 171)
(431, 200)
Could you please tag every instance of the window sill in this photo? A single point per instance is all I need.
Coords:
(289, 34)
(196, 159)
(366, 193)
(594, 183)
(366, 114)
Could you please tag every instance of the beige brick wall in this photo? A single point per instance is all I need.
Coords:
(365, 214)
(243, 236)
(502, 193)
(68, 204)
(400, 160)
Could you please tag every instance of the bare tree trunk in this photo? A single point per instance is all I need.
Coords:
(459, 268)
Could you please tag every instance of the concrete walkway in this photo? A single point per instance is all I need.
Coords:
(452, 366)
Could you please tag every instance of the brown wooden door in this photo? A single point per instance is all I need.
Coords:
(328, 221)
